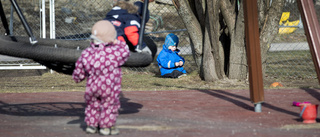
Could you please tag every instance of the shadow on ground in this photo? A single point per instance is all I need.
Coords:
(61, 109)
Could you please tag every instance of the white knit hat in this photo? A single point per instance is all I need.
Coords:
(103, 32)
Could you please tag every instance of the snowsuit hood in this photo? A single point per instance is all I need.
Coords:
(171, 40)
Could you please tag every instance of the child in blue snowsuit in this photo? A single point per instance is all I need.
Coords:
(169, 62)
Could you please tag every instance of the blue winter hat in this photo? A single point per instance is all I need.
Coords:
(171, 40)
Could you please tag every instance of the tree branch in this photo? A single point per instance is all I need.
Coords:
(228, 14)
(192, 25)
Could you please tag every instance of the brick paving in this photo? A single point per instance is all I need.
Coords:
(193, 113)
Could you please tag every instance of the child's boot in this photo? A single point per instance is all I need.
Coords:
(91, 129)
(114, 130)
(104, 131)
(183, 75)
(109, 131)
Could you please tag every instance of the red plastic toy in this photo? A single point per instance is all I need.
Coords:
(294, 103)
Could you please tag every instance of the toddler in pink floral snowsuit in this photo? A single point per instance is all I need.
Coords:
(101, 64)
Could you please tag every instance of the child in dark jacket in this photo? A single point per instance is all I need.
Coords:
(101, 65)
(126, 18)
(169, 61)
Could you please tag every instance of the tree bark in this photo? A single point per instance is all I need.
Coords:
(218, 41)
(270, 29)
(228, 14)
(194, 28)
(210, 52)
(238, 58)
(217, 47)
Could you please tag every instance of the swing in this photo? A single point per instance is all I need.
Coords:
(58, 54)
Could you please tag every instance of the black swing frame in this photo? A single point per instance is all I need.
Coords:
(25, 24)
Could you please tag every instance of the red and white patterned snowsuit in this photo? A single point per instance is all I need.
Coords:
(101, 65)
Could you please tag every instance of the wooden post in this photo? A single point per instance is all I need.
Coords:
(312, 30)
(253, 52)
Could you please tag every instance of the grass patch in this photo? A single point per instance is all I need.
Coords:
(46, 82)
(132, 81)
(290, 65)
(293, 69)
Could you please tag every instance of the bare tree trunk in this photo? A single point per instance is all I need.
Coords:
(270, 29)
(207, 69)
(217, 49)
(194, 28)
(262, 11)
(210, 44)
(199, 11)
(238, 58)
(228, 14)
(209, 66)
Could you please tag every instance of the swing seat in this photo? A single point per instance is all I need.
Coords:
(61, 55)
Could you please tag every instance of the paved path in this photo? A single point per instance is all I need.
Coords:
(194, 113)
(289, 46)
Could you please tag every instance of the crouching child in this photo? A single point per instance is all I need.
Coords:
(169, 61)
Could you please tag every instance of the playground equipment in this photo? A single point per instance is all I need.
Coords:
(286, 26)
(308, 112)
(253, 53)
(312, 29)
(276, 84)
(59, 55)
(297, 104)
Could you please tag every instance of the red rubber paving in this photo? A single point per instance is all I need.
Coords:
(194, 113)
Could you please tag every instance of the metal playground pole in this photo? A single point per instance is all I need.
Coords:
(253, 53)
